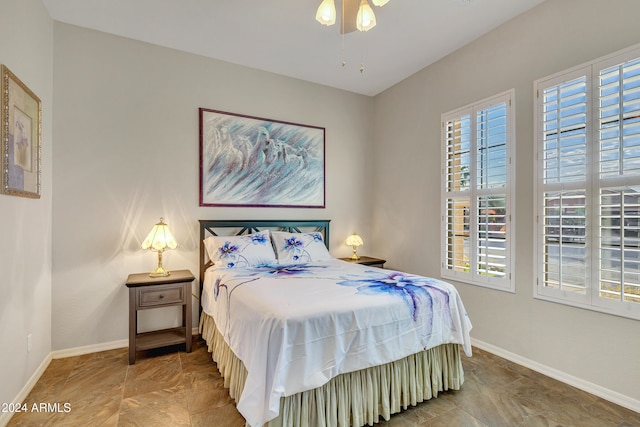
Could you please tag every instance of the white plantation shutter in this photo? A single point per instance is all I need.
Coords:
(457, 230)
(588, 185)
(619, 120)
(491, 183)
(618, 179)
(619, 250)
(491, 236)
(565, 253)
(477, 186)
(564, 171)
(564, 136)
(457, 166)
(491, 146)
(458, 153)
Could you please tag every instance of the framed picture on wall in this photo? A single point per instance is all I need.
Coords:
(255, 162)
(21, 119)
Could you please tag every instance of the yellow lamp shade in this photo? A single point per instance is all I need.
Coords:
(326, 14)
(159, 239)
(366, 19)
(354, 241)
(380, 2)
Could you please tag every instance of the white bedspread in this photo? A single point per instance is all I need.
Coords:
(296, 327)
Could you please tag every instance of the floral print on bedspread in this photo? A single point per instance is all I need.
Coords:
(286, 270)
(244, 251)
(280, 271)
(296, 249)
(416, 291)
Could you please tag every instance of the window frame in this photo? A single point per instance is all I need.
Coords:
(593, 185)
(473, 193)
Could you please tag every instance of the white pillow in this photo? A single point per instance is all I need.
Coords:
(247, 250)
(297, 248)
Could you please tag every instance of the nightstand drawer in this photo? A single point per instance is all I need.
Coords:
(160, 295)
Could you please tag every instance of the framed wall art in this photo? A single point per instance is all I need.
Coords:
(21, 118)
(255, 162)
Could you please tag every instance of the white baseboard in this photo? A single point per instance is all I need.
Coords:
(604, 393)
(94, 348)
(6, 416)
(61, 354)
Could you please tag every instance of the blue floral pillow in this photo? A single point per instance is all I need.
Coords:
(296, 248)
(248, 250)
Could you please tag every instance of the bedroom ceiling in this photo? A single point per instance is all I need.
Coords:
(283, 37)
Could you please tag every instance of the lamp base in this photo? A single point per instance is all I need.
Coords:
(159, 272)
(355, 256)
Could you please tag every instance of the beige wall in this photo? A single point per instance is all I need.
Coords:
(593, 347)
(26, 48)
(126, 132)
(126, 126)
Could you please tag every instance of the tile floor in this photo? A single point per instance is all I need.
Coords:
(185, 389)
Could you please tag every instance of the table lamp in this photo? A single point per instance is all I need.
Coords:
(354, 241)
(159, 240)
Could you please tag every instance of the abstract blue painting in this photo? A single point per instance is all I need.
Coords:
(251, 161)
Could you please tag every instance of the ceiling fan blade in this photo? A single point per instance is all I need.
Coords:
(350, 14)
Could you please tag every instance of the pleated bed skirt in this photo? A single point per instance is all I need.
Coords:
(353, 399)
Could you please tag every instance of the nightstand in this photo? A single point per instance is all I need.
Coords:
(147, 292)
(365, 260)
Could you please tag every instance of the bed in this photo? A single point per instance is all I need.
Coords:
(304, 339)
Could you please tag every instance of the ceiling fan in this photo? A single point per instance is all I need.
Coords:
(356, 14)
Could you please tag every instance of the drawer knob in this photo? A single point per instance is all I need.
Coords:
(161, 296)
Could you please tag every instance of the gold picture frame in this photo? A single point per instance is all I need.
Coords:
(21, 119)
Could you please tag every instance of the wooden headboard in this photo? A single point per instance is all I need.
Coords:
(239, 227)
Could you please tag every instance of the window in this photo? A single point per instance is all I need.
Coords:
(477, 187)
(587, 124)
